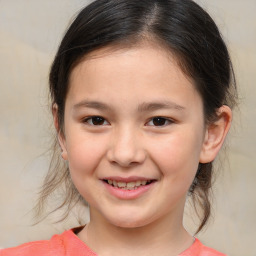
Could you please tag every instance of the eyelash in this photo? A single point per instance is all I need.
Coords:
(102, 120)
(94, 117)
(161, 119)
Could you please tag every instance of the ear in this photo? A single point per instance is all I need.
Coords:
(215, 135)
(61, 137)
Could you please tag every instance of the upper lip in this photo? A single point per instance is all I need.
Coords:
(127, 179)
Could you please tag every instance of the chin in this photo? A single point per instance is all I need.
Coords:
(129, 225)
(129, 221)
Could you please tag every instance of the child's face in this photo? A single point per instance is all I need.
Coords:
(112, 133)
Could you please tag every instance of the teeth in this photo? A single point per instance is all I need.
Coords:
(138, 183)
(121, 184)
(114, 183)
(130, 184)
(127, 186)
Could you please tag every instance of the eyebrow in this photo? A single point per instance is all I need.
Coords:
(144, 107)
(152, 106)
(91, 104)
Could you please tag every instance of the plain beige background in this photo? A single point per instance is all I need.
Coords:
(30, 31)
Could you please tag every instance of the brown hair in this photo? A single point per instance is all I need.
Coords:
(185, 29)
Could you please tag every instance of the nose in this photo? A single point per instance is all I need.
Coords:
(126, 148)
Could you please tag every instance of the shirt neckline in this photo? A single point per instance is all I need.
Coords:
(71, 235)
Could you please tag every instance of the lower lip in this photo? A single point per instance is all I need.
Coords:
(128, 194)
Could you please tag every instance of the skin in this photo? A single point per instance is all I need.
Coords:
(131, 83)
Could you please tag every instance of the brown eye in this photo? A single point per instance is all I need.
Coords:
(159, 121)
(96, 120)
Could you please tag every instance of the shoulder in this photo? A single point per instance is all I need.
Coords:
(198, 249)
(207, 251)
(54, 246)
(67, 244)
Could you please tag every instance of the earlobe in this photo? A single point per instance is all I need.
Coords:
(61, 137)
(215, 135)
(64, 155)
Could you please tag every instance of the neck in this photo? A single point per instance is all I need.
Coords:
(163, 237)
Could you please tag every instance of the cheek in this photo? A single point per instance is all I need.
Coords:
(84, 155)
(178, 155)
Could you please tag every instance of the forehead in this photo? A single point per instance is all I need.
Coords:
(143, 71)
(146, 53)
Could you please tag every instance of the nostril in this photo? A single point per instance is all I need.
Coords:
(126, 151)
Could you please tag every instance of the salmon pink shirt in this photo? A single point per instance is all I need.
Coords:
(68, 244)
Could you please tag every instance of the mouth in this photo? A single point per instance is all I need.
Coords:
(133, 185)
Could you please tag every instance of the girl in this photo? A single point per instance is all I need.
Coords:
(142, 93)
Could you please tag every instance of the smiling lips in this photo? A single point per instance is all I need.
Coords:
(128, 185)
(128, 188)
